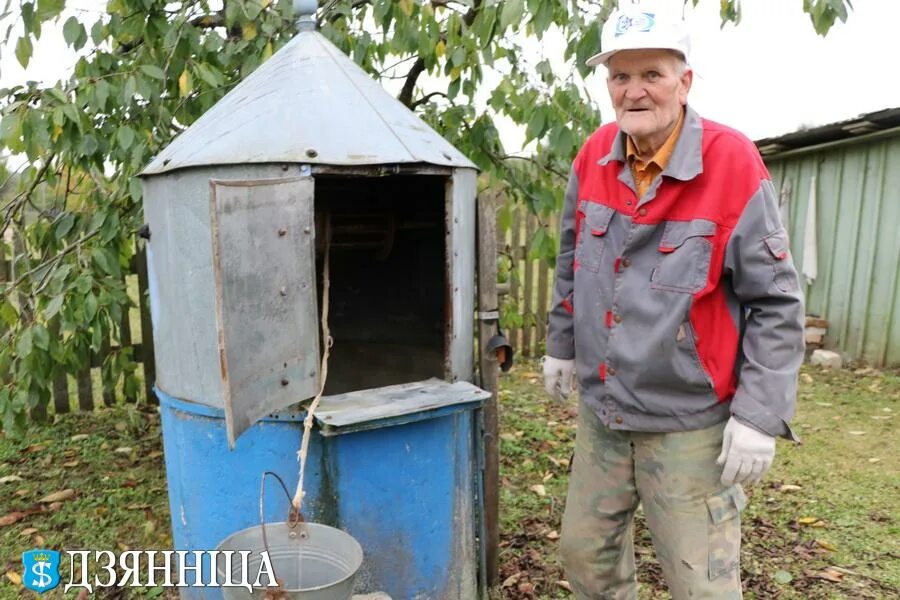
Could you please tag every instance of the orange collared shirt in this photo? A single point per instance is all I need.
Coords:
(645, 172)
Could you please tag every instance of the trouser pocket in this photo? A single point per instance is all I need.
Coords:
(724, 534)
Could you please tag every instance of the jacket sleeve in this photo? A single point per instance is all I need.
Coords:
(764, 280)
(560, 329)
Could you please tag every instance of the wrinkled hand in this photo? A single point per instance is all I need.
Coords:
(558, 376)
(746, 453)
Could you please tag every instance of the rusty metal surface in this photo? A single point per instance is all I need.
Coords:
(266, 318)
(309, 103)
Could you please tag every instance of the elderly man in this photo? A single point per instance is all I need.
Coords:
(678, 306)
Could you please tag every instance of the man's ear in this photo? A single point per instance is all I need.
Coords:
(687, 79)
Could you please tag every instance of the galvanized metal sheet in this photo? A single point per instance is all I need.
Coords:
(266, 317)
(377, 406)
(461, 256)
(309, 103)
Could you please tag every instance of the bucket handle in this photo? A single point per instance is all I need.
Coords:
(295, 518)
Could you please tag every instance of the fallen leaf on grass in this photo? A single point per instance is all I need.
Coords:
(13, 517)
(826, 544)
(71, 463)
(10, 479)
(806, 378)
(783, 577)
(789, 487)
(14, 577)
(60, 496)
(158, 453)
(511, 580)
(538, 489)
(507, 437)
(828, 575)
(547, 477)
(22, 493)
(122, 450)
(54, 506)
(39, 540)
(807, 520)
(137, 506)
(553, 535)
(874, 460)
(79, 437)
(526, 587)
(28, 531)
(825, 404)
(564, 585)
(857, 432)
(35, 448)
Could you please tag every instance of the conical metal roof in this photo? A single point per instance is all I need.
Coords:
(309, 103)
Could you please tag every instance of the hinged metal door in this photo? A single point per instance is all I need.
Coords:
(266, 316)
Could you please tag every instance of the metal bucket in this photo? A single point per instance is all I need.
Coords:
(318, 566)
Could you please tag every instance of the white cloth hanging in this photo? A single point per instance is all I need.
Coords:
(810, 267)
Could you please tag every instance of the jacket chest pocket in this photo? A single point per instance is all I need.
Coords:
(685, 253)
(595, 219)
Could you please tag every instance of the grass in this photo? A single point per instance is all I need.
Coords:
(823, 525)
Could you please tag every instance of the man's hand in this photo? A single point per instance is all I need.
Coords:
(558, 375)
(746, 453)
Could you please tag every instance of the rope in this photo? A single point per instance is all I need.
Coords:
(327, 342)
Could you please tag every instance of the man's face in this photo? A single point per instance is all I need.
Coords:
(648, 89)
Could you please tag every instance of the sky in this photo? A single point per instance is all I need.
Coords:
(770, 75)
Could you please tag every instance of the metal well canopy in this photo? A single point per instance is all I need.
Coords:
(309, 103)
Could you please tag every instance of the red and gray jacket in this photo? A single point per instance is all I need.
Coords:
(683, 306)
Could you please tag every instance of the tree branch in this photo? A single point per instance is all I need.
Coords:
(406, 93)
(426, 98)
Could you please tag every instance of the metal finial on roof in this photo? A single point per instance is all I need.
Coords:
(306, 14)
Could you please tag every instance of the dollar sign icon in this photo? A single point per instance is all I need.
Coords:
(43, 578)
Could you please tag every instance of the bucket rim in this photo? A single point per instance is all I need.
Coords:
(356, 545)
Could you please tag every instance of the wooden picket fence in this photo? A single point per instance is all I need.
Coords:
(529, 290)
(83, 392)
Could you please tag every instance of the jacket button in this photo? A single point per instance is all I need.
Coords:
(619, 420)
(611, 371)
(643, 212)
(626, 262)
(617, 318)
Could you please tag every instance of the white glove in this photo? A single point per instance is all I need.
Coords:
(746, 453)
(558, 375)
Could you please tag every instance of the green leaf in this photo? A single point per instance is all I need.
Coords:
(89, 308)
(153, 71)
(8, 313)
(126, 136)
(23, 51)
(47, 9)
(41, 337)
(88, 145)
(53, 307)
(23, 348)
(513, 11)
(72, 30)
(64, 224)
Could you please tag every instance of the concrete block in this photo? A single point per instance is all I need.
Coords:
(827, 359)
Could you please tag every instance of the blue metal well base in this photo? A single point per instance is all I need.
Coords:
(407, 491)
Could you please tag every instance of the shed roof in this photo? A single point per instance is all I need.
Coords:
(309, 103)
(878, 121)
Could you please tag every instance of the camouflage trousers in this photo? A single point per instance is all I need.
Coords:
(693, 519)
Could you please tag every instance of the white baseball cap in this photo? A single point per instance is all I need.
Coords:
(643, 26)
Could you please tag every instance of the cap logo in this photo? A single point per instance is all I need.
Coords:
(640, 22)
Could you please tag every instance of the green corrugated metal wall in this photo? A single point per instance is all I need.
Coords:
(858, 228)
